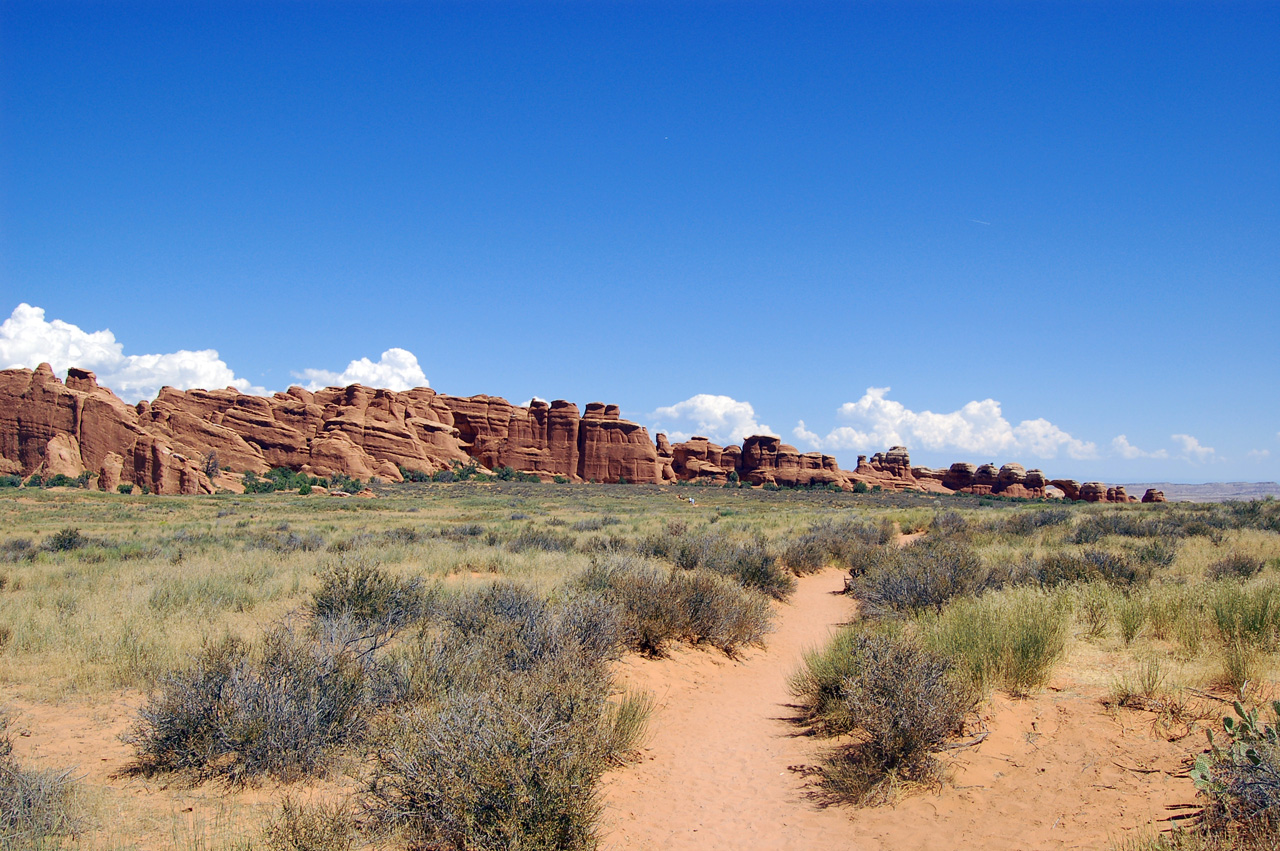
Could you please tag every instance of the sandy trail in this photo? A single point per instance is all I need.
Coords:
(1057, 771)
(716, 772)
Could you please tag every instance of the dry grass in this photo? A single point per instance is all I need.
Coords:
(146, 582)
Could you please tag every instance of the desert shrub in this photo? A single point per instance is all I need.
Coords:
(10, 481)
(1010, 639)
(1235, 566)
(65, 540)
(287, 541)
(124, 487)
(657, 605)
(237, 714)
(749, 561)
(1239, 776)
(35, 805)
(833, 542)
(375, 602)
(1131, 615)
(17, 549)
(948, 524)
(594, 524)
(1157, 552)
(540, 538)
(1065, 566)
(1129, 524)
(923, 575)
(513, 726)
(900, 700)
(1028, 522)
(462, 531)
(1094, 602)
(299, 826)
(860, 487)
(1246, 613)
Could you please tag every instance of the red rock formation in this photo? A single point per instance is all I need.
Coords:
(50, 427)
(611, 449)
(1153, 495)
(767, 460)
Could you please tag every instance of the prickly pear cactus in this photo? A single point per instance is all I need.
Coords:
(1241, 774)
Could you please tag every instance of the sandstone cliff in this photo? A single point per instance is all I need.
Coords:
(51, 427)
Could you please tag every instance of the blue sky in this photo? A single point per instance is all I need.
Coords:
(1052, 231)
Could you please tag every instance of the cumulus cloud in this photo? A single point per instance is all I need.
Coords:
(27, 339)
(1191, 448)
(398, 369)
(1122, 447)
(979, 427)
(1259, 454)
(721, 419)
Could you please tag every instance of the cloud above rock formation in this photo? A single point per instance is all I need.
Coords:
(1191, 448)
(27, 339)
(1121, 446)
(398, 369)
(722, 419)
(979, 428)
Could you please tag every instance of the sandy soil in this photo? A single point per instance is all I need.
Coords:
(725, 763)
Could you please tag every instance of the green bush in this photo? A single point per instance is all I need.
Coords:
(1012, 639)
(65, 540)
(10, 481)
(124, 487)
(253, 484)
(414, 475)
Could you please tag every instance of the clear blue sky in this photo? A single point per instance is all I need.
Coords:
(1071, 210)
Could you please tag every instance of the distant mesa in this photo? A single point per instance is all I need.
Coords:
(51, 427)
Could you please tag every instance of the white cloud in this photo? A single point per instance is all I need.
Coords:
(1122, 447)
(719, 418)
(397, 370)
(805, 436)
(1259, 454)
(978, 427)
(27, 340)
(1191, 448)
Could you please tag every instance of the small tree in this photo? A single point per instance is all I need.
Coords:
(210, 464)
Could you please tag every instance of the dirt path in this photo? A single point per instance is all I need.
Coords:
(1057, 771)
(715, 772)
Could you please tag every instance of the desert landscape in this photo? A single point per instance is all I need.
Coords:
(639, 426)
(723, 654)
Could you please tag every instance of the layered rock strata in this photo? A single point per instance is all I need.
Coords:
(52, 427)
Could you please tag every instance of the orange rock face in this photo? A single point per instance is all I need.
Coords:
(51, 427)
